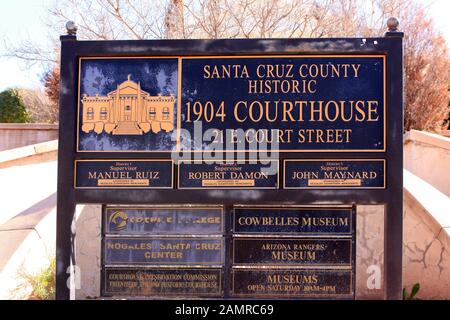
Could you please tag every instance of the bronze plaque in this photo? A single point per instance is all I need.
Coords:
(163, 281)
(304, 221)
(292, 251)
(163, 220)
(292, 283)
(158, 250)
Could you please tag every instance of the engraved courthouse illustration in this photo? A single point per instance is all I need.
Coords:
(128, 110)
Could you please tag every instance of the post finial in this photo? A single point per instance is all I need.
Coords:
(71, 28)
(392, 24)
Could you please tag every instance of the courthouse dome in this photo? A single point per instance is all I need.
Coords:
(129, 87)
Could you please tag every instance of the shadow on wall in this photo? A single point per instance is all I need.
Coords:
(426, 237)
(427, 156)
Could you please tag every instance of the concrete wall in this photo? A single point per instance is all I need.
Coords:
(369, 269)
(14, 135)
(88, 250)
(426, 238)
(27, 216)
(427, 155)
(32, 154)
(27, 245)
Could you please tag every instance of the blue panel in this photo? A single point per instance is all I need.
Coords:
(100, 78)
(304, 103)
(153, 251)
(140, 221)
(295, 221)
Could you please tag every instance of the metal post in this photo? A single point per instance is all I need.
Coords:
(65, 195)
(393, 254)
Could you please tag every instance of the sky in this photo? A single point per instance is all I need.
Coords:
(23, 19)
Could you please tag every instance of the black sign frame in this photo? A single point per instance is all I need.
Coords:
(391, 46)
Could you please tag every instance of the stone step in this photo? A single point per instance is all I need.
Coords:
(127, 128)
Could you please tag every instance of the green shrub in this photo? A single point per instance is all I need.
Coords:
(12, 108)
(43, 283)
(414, 290)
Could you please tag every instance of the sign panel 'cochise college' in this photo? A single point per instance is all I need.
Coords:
(233, 168)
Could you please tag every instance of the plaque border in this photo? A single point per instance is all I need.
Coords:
(219, 293)
(332, 188)
(349, 295)
(331, 234)
(246, 161)
(245, 56)
(299, 265)
(161, 263)
(160, 207)
(124, 160)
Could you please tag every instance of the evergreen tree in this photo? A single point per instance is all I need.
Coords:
(12, 108)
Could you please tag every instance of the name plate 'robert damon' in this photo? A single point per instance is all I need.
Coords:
(235, 175)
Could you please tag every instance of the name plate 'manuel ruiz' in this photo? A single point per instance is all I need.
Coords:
(335, 174)
(198, 175)
(292, 283)
(163, 220)
(139, 250)
(309, 221)
(292, 251)
(163, 281)
(106, 174)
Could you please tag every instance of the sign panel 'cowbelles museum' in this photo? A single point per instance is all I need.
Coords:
(231, 168)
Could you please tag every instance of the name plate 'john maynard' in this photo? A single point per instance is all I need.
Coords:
(334, 174)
